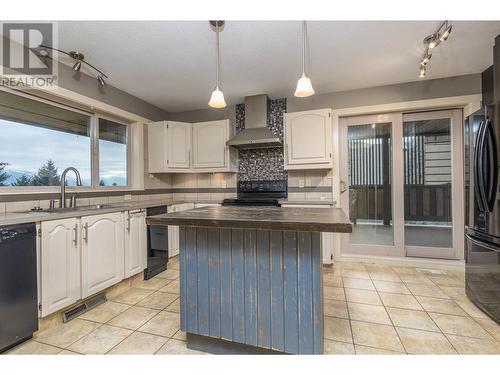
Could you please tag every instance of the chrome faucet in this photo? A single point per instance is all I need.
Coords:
(62, 197)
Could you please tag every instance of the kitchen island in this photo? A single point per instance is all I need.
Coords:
(251, 277)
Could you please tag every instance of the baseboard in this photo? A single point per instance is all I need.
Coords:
(443, 264)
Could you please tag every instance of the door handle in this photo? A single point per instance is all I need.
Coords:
(75, 233)
(478, 175)
(128, 222)
(343, 186)
(86, 232)
(490, 144)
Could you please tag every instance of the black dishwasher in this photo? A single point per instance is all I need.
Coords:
(18, 284)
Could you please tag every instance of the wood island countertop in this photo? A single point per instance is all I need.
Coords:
(275, 218)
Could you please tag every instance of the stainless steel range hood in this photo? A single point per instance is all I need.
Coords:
(256, 134)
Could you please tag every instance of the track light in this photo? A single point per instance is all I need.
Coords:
(79, 60)
(77, 66)
(101, 80)
(426, 58)
(446, 32)
(431, 42)
(423, 71)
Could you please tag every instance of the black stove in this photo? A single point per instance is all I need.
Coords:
(259, 193)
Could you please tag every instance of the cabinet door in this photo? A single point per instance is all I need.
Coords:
(308, 137)
(178, 145)
(102, 252)
(135, 242)
(60, 264)
(157, 151)
(209, 144)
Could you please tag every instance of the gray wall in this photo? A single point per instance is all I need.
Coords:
(417, 90)
(86, 85)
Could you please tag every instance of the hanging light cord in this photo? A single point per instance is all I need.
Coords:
(303, 47)
(218, 54)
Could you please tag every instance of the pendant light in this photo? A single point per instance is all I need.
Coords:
(304, 85)
(217, 98)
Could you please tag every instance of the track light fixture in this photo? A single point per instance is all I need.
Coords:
(446, 32)
(101, 80)
(423, 71)
(431, 42)
(426, 58)
(79, 60)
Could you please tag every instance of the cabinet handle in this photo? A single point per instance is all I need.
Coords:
(75, 232)
(86, 232)
(128, 222)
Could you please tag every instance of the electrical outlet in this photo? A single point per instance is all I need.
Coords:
(127, 197)
(308, 182)
(301, 183)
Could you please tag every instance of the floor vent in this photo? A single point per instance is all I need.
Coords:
(83, 307)
(431, 271)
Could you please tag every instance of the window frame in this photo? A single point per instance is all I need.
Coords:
(95, 158)
(94, 151)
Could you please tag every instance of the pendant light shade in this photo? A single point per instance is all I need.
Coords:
(304, 85)
(217, 98)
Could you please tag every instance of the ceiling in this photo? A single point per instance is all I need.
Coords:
(171, 64)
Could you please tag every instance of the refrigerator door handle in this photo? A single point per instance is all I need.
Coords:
(478, 165)
(490, 144)
(482, 244)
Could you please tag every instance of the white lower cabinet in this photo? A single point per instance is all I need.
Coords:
(135, 242)
(102, 252)
(60, 264)
(173, 230)
(80, 257)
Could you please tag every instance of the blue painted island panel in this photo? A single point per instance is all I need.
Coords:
(255, 287)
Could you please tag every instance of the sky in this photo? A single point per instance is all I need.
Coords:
(27, 147)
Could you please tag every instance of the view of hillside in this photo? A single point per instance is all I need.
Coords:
(47, 175)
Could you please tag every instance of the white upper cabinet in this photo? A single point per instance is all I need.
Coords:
(176, 147)
(135, 242)
(60, 264)
(209, 146)
(308, 139)
(169, 146)
(157, 151)
(102, 252)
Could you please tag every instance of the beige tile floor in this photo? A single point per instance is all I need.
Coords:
(368, 308)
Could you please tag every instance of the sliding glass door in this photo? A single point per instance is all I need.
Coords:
(401, 184)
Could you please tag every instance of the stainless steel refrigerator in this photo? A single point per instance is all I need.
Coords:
(482, 205)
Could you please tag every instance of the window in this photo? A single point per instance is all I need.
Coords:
(112, 153)
(39, 140)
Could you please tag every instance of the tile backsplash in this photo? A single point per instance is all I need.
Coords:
(267, 163)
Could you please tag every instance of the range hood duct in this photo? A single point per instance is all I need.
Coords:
(256, 134)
